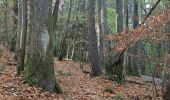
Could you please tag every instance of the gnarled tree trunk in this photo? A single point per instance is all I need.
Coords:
(40, 62)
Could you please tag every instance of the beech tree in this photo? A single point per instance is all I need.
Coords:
(93, 50)
(21, 57)
(119, 27)
(40, 63)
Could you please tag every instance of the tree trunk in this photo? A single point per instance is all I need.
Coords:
(21, 58)
(15, 21)
(63, 41)
(166, 78)
(134, 50)
(17, 50)
(55, 17)
(40, 62)
(166, 73)
(6, 24)
(93, 51)
(119, 24)
(119, 16)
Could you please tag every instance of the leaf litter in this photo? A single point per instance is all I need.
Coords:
(76, 84)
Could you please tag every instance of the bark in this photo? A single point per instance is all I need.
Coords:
(166, 72)
(135, 15)
(63, 41)
(55, 13)
(55, 17)
(15, 21)
(127, 16)
(99, 32)
(93, 50)
(6, 24)
(99, 16)
(134, 50)
(40, 63)
(18, 28)
(166, 79)
(119, 24)
(105, 29)
(119, 16)
(21, 58)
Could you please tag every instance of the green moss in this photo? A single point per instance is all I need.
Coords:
(28, 70)
(110, 76)
(58, 88)
(119, 97)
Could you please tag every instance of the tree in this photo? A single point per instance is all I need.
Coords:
(63, 41)
(166, 73)
(134, 50)
(40, 63)
(119, 16)
(15, 21)
(103, 30)
(20, 66)
(104, 23)
(19, 24)
(93, 51)
(119, 27)
(6, 22)
(55, 17)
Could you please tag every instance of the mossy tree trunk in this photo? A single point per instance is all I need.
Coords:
(40, 64)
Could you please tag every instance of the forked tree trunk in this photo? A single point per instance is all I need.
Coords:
(40, 63)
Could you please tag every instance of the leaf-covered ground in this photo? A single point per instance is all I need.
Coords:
(75, 83)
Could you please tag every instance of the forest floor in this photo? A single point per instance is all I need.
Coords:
(76, 84)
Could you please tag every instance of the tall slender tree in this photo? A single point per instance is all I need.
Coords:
(166, 73)
(119, 16)
(55, 17)
(63, 41)
(119, 28)
(21, 58)
(93, 50)
(19, 24)
(6, 21)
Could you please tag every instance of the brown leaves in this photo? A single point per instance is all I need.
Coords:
(77, 85)
(153, 29)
